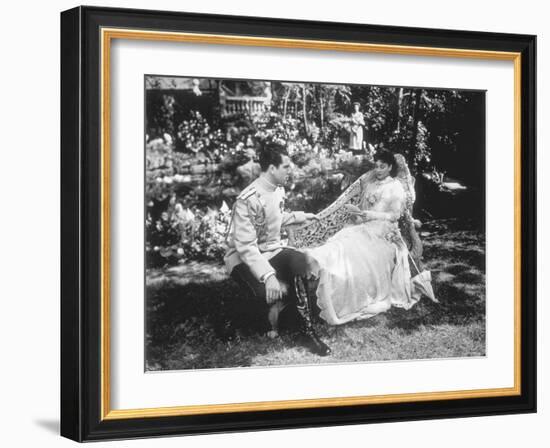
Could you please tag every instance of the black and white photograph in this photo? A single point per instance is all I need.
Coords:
(275, 224)
(292, 223)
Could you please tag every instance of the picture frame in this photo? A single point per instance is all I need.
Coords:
(86, 210)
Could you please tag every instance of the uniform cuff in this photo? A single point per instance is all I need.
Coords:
(264, 277)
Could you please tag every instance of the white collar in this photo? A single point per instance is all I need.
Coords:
(267, 184)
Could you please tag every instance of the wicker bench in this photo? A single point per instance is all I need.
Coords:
(335, 217)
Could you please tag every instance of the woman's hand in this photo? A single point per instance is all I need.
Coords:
(367, 215)
(353, 209)
(357, 219)
(370, 215)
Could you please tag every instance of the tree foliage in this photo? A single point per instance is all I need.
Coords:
(193, 157)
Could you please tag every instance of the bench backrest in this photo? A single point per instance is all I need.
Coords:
(335, 216)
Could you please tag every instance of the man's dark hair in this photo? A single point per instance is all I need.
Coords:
(387, 157)
(271, 154)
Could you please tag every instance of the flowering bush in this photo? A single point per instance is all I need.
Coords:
(196, 136)
(272, 127)
(337, 133)
(183, 234)
(185, 187)
(318, 183)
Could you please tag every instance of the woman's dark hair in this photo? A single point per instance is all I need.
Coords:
(387, 157)
(271, 154)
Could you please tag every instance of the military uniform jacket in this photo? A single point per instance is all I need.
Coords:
(255, 231)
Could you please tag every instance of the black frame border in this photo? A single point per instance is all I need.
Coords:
(81, 223)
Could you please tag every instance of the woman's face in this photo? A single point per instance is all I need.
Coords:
(382, 169)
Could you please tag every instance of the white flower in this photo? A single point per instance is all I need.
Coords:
(188, 215)
(224, 208)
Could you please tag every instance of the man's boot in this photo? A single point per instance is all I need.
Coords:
(311, 340)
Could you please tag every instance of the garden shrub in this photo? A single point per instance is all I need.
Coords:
(188, 221)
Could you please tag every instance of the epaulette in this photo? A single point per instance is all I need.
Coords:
(246, 193)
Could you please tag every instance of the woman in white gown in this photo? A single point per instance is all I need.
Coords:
(363, 269)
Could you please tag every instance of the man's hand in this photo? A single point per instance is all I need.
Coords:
(311, 216)
(273, 291)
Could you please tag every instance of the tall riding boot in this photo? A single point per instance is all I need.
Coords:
(302, 305)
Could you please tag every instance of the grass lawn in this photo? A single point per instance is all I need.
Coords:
(198, 318)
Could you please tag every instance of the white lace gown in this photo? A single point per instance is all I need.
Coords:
(363, 269)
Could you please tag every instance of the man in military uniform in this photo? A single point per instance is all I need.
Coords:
(257, 258)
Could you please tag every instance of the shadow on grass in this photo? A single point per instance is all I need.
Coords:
(198, 318)
(206, 324)
(456, 259)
